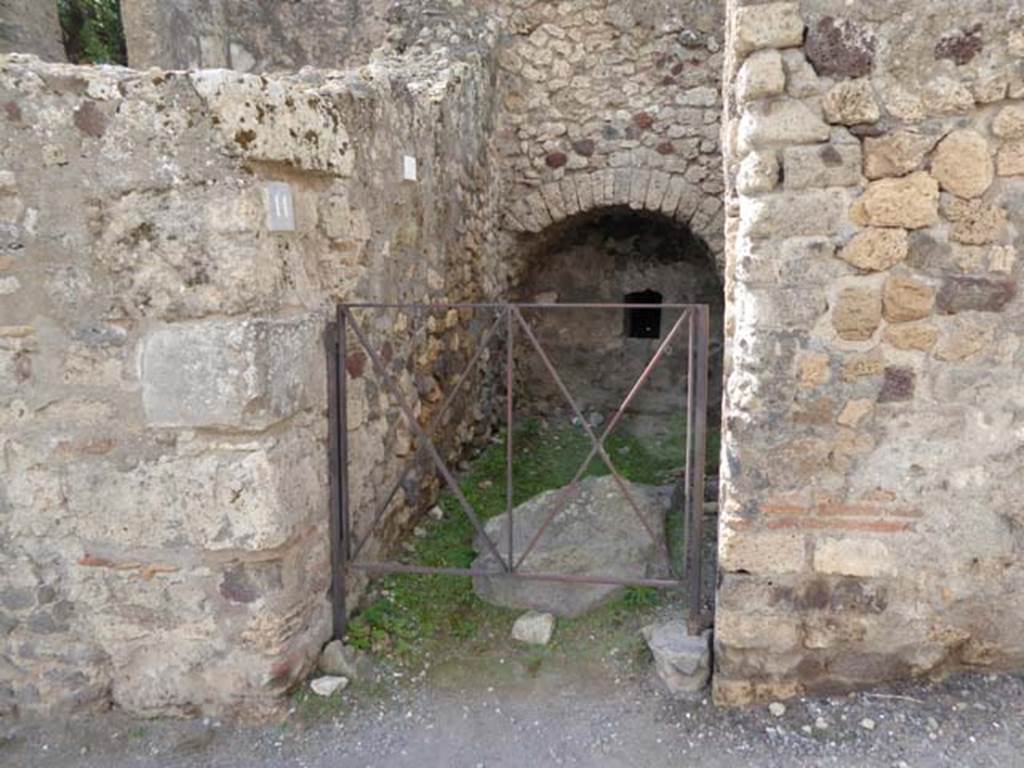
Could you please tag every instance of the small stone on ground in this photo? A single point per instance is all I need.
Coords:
(777, 709)
(328, 685)
(534, 628)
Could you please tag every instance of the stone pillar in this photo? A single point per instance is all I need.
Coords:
(31, 26)
(175, 34)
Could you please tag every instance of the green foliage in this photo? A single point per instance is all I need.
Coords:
(415, 615)
(93, 31)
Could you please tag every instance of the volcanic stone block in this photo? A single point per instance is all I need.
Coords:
(978, 294)
(840, 48)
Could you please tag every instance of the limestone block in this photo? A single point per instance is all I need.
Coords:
(866, 558)
(756, 632)
(814, 369)
(759, 172)
(244, 374)
(328, 685)
(963, 164)
(1009, 123)
(552, 196)
(876, 250)
(775, 25)
(780, 122)
(681, 660)
(760, 76)
(975, 222)
(761, 553)
(967, 339)
(343, 660)
(254, 496)
(857, 313)
(801, 79)
(831, 165)
(911, 336)
(911, 202)
(1010, 159)
(851, 102)
(854, 412)
(906, 299)
(897, 153)
(271, 120)
(794, 214)
(534, 628)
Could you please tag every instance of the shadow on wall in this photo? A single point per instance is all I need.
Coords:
(618, 256)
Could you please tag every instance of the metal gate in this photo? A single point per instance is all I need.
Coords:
(346, 548)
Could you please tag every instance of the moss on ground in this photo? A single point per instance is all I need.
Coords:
(415, 620)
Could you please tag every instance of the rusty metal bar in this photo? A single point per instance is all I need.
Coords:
(566, 578)
(698, 319)
(688, 450)
(414, 425)
(510, 340)
(563, 497)
(434, 424)
(598, 445)
(699, 429)
(493, 305)
(336, 470)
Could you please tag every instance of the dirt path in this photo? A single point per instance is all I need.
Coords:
(499, 712)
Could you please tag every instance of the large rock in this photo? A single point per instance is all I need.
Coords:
(597, 533)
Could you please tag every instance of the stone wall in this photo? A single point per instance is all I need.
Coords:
(269, 35)
(603, 257)
(871, 464)
(163, 471)
(611, 104)
(31, 26)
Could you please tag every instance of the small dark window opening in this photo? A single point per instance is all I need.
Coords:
(641, 322)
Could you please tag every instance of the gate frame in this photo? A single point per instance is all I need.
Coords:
(344, 558)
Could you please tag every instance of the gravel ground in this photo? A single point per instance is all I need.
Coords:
(497, 712)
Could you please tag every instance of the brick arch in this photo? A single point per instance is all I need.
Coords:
(641, 189)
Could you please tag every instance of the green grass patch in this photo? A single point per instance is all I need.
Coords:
(415, 617)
